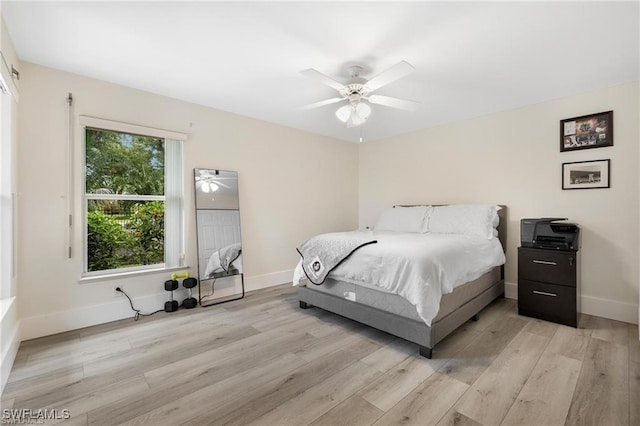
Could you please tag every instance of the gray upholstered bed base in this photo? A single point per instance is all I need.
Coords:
(414, 331)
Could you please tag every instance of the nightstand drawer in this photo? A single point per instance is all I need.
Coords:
(547, 301)
(547, 266)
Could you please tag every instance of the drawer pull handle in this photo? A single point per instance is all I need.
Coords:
(544, 293)
(545, 262)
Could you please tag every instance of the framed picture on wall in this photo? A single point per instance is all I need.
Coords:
(586, 174)
(588, 131)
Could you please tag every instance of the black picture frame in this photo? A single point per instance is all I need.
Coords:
(587, 131)
(586, 174)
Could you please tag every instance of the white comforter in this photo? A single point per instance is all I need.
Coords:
(418, 267)
(214, 266)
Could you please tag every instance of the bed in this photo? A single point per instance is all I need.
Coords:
(224, 262)
(391, 310)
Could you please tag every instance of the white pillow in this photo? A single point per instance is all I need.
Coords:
(467, 219)
(404, 219)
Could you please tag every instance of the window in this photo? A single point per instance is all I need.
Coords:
(7, 225)
(132, 201)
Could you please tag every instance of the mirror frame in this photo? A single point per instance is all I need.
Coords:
(223, 299)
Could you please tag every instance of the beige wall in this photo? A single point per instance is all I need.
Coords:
(285, 196)
(513, 158)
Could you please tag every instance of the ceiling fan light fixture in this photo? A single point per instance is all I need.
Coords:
(355, 121)
(363, 110)
(207, 186)
(344, 112)
(359, 89)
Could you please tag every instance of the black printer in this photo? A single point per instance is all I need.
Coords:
(549, 233)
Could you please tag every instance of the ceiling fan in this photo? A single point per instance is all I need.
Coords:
(210, 180)
(358, 92)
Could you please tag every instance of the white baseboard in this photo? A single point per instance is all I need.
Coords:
(511, 291)
(596, 306)
(58, 322)
(73, 319)
(8, 358)
(268, 280)
(612, 309)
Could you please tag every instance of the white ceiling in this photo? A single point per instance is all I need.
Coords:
(471, 59)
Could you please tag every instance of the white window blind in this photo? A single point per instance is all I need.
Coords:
(174, 203)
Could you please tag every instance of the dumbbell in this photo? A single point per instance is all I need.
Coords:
(190, 302)
(171, 305)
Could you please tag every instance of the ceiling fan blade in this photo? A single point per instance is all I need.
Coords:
(224, 185)
(394, 102)
(323, 78)
(323, 103)
(209, 178)
(394, 73)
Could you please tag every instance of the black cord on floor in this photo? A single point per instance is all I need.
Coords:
(213, 290)
(138, 314)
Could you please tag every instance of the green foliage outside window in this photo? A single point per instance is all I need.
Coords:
(124, 233)
(120, 163)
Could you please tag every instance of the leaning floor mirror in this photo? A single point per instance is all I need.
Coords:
(219, 240)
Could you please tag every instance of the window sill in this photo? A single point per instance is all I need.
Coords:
(5, 305)
(131, 274)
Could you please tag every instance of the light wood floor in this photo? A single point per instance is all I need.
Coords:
(264, 361)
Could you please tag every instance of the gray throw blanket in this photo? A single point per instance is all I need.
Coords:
(322, 253)
(228, 255)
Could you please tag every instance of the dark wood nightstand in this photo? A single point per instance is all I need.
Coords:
(549, 284)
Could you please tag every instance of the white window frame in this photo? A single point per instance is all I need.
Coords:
(9, 96)
(173, 198)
